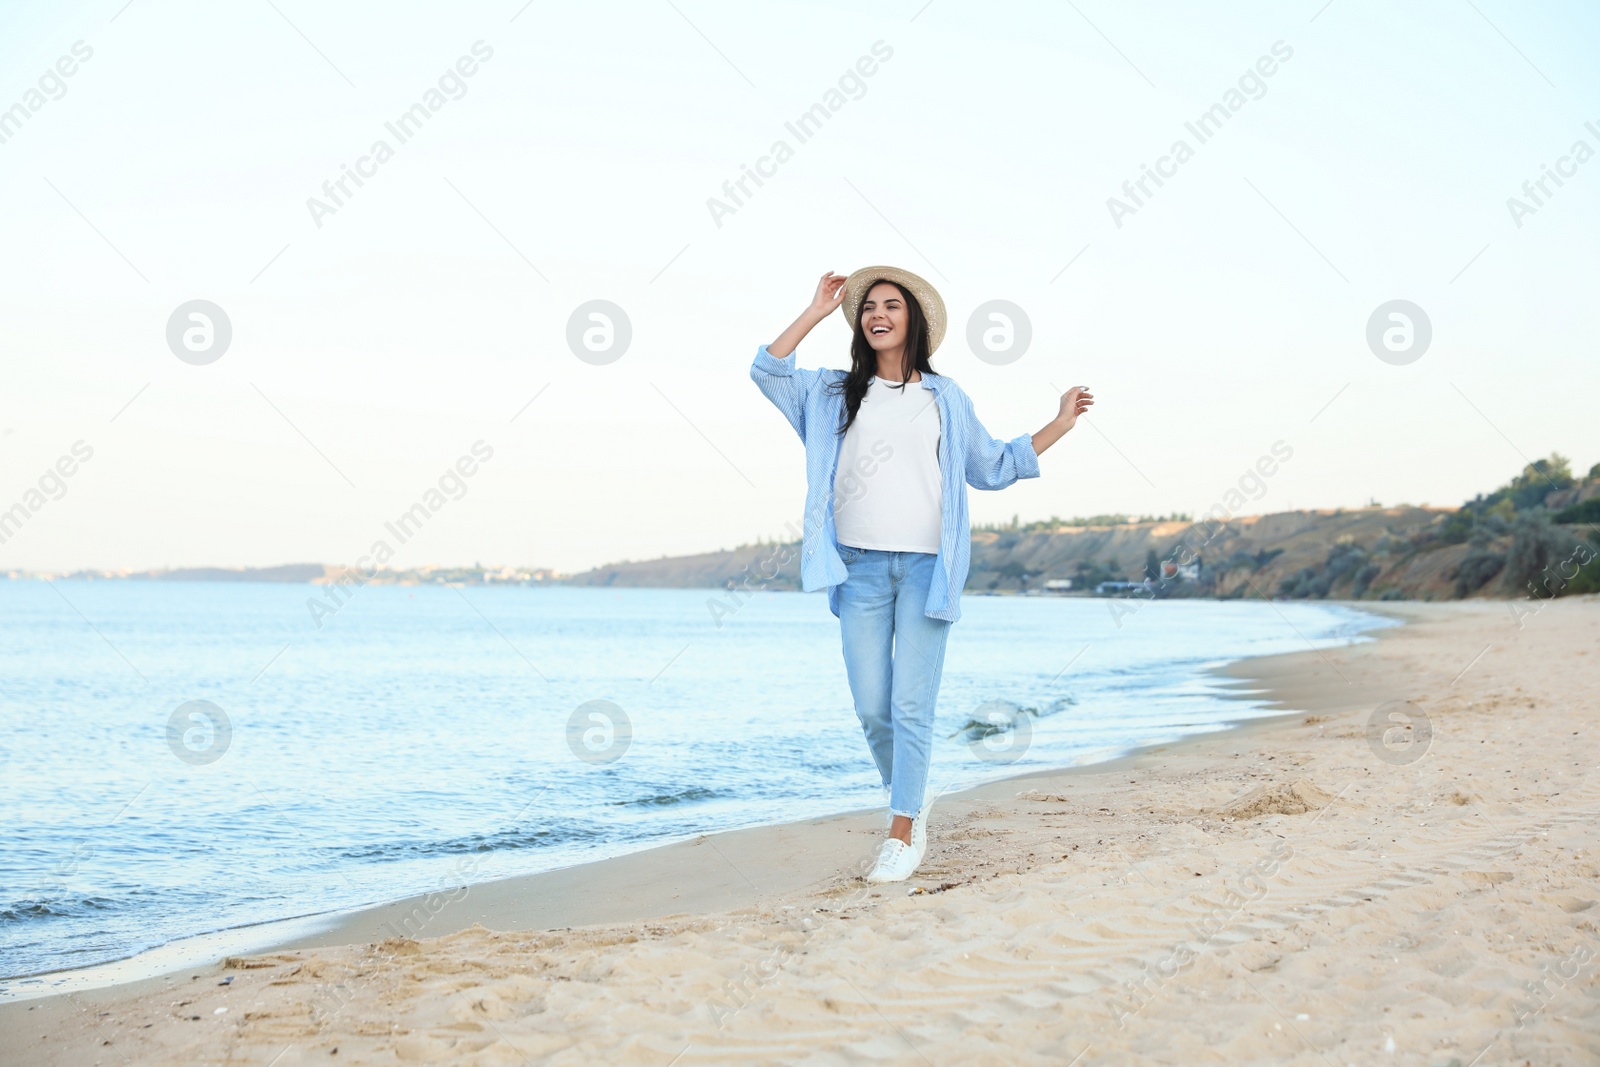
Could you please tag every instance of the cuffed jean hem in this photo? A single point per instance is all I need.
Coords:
(927, 796)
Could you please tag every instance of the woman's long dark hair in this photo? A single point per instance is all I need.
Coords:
(864, 359)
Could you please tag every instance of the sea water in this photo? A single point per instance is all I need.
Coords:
(183, 757)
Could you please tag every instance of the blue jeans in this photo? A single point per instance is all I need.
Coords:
(894, 656)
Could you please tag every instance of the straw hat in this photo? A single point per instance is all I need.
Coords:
(856, 286)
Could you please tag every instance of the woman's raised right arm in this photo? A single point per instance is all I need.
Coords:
(830, 291)
(776, 368)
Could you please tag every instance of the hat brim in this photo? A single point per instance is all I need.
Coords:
(856, 286)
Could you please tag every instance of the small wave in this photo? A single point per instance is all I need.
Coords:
(510, 840)
(1000, 716)
(683, 796)
(26, 910)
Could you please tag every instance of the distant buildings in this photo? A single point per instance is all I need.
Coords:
(1116, 588)
(1188, 572)
(320, 574)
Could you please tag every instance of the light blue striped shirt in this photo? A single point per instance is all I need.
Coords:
(816, 413)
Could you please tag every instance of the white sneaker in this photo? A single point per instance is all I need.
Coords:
(897, 861)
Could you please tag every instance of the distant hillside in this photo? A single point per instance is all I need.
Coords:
(288, 572)
(1536, 536)
(317, 573)
(1541, 527)
(1017, 560)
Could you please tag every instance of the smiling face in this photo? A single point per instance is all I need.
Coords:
(884, 320)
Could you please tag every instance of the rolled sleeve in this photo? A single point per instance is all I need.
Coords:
(1027, 459)
(782, 382)
(994, 464)
(771, 364)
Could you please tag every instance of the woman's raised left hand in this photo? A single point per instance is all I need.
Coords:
(1074, 402)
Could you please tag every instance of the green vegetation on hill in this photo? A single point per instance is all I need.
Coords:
(1526, 492)
(1587, 512)
(1536, 534)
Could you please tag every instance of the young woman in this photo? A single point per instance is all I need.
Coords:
(890, 450)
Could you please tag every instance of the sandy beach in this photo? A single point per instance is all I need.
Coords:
(1310, 889)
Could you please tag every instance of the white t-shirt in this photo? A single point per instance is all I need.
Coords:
(886, 491)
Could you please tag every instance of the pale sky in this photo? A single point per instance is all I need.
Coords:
(575, 163)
